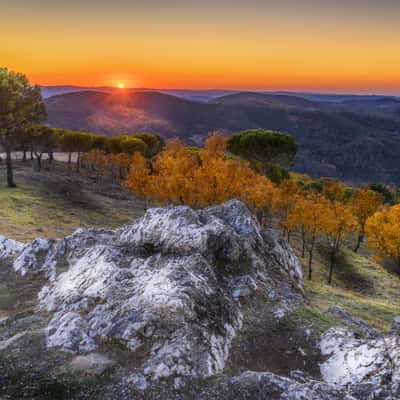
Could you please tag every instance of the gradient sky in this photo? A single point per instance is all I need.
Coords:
(325, 45)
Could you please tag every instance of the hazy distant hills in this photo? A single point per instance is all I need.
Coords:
(211, 94)
(193, 95)
(356, 138)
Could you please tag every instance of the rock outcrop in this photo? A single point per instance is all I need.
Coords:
(368, 367)
(9, 247)
(170, 293)
(170, 284)
(265, 385)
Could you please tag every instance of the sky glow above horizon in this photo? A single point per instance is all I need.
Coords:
(334, 46)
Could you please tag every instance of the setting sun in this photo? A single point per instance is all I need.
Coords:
(121, 86)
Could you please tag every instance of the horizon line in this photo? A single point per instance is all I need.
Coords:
(302, 91)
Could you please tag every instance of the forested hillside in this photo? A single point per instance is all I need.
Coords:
(356, 140)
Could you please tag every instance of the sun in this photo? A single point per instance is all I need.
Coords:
(121, 85)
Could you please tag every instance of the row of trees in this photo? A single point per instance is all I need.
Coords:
(41, 139)
(333, 214)
(329, 213)
(22, 113)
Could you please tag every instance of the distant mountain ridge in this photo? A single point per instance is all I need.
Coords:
(194, 95)
(357, 140)
(206, 95)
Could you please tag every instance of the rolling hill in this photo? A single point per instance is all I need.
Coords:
(357, 139)
(202, 96)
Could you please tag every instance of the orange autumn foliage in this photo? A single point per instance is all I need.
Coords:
(307, 215)
(333, 190)
(383, 230)
(139, 174)
(289, 192)
(107, 163)
(179, 176)
(338, 223)
(365, 203)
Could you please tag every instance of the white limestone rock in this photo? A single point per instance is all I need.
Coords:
(38, 256)
(266, 385)
(9, 247)
(280, 250)
(353, 361)
(171, 282)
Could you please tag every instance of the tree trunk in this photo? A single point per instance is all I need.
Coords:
(10, 172)
(112, 175)
(310, 259)
(69, 160)
(331, 266)
(24, 155)
(303, 238)
(39, 161)
(51, 156)
(359, 241)
(78, 162)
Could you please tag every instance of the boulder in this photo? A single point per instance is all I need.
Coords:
(169, 285)
(9, 247)
(252, 385)
(358, 325)
(361, 363)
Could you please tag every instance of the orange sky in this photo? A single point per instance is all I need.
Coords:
(314, 45)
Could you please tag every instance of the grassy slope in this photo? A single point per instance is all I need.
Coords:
(53, 205)
(361, 286)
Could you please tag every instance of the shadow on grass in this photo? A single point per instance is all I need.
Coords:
(391, 267)
(347, 275)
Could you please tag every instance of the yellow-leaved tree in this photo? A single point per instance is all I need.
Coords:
(260, 196)
(383, 231)
(138, 178)
(289, 192)
(178, 175)
(337, 223)
(171, 181)
(333, 190)
(307, 215)
(365, 202)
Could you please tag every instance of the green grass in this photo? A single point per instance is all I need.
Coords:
(25, 214)
(35, 208)
(360, 286)
(316, 318)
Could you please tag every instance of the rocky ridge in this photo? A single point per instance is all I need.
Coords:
(170, 289)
